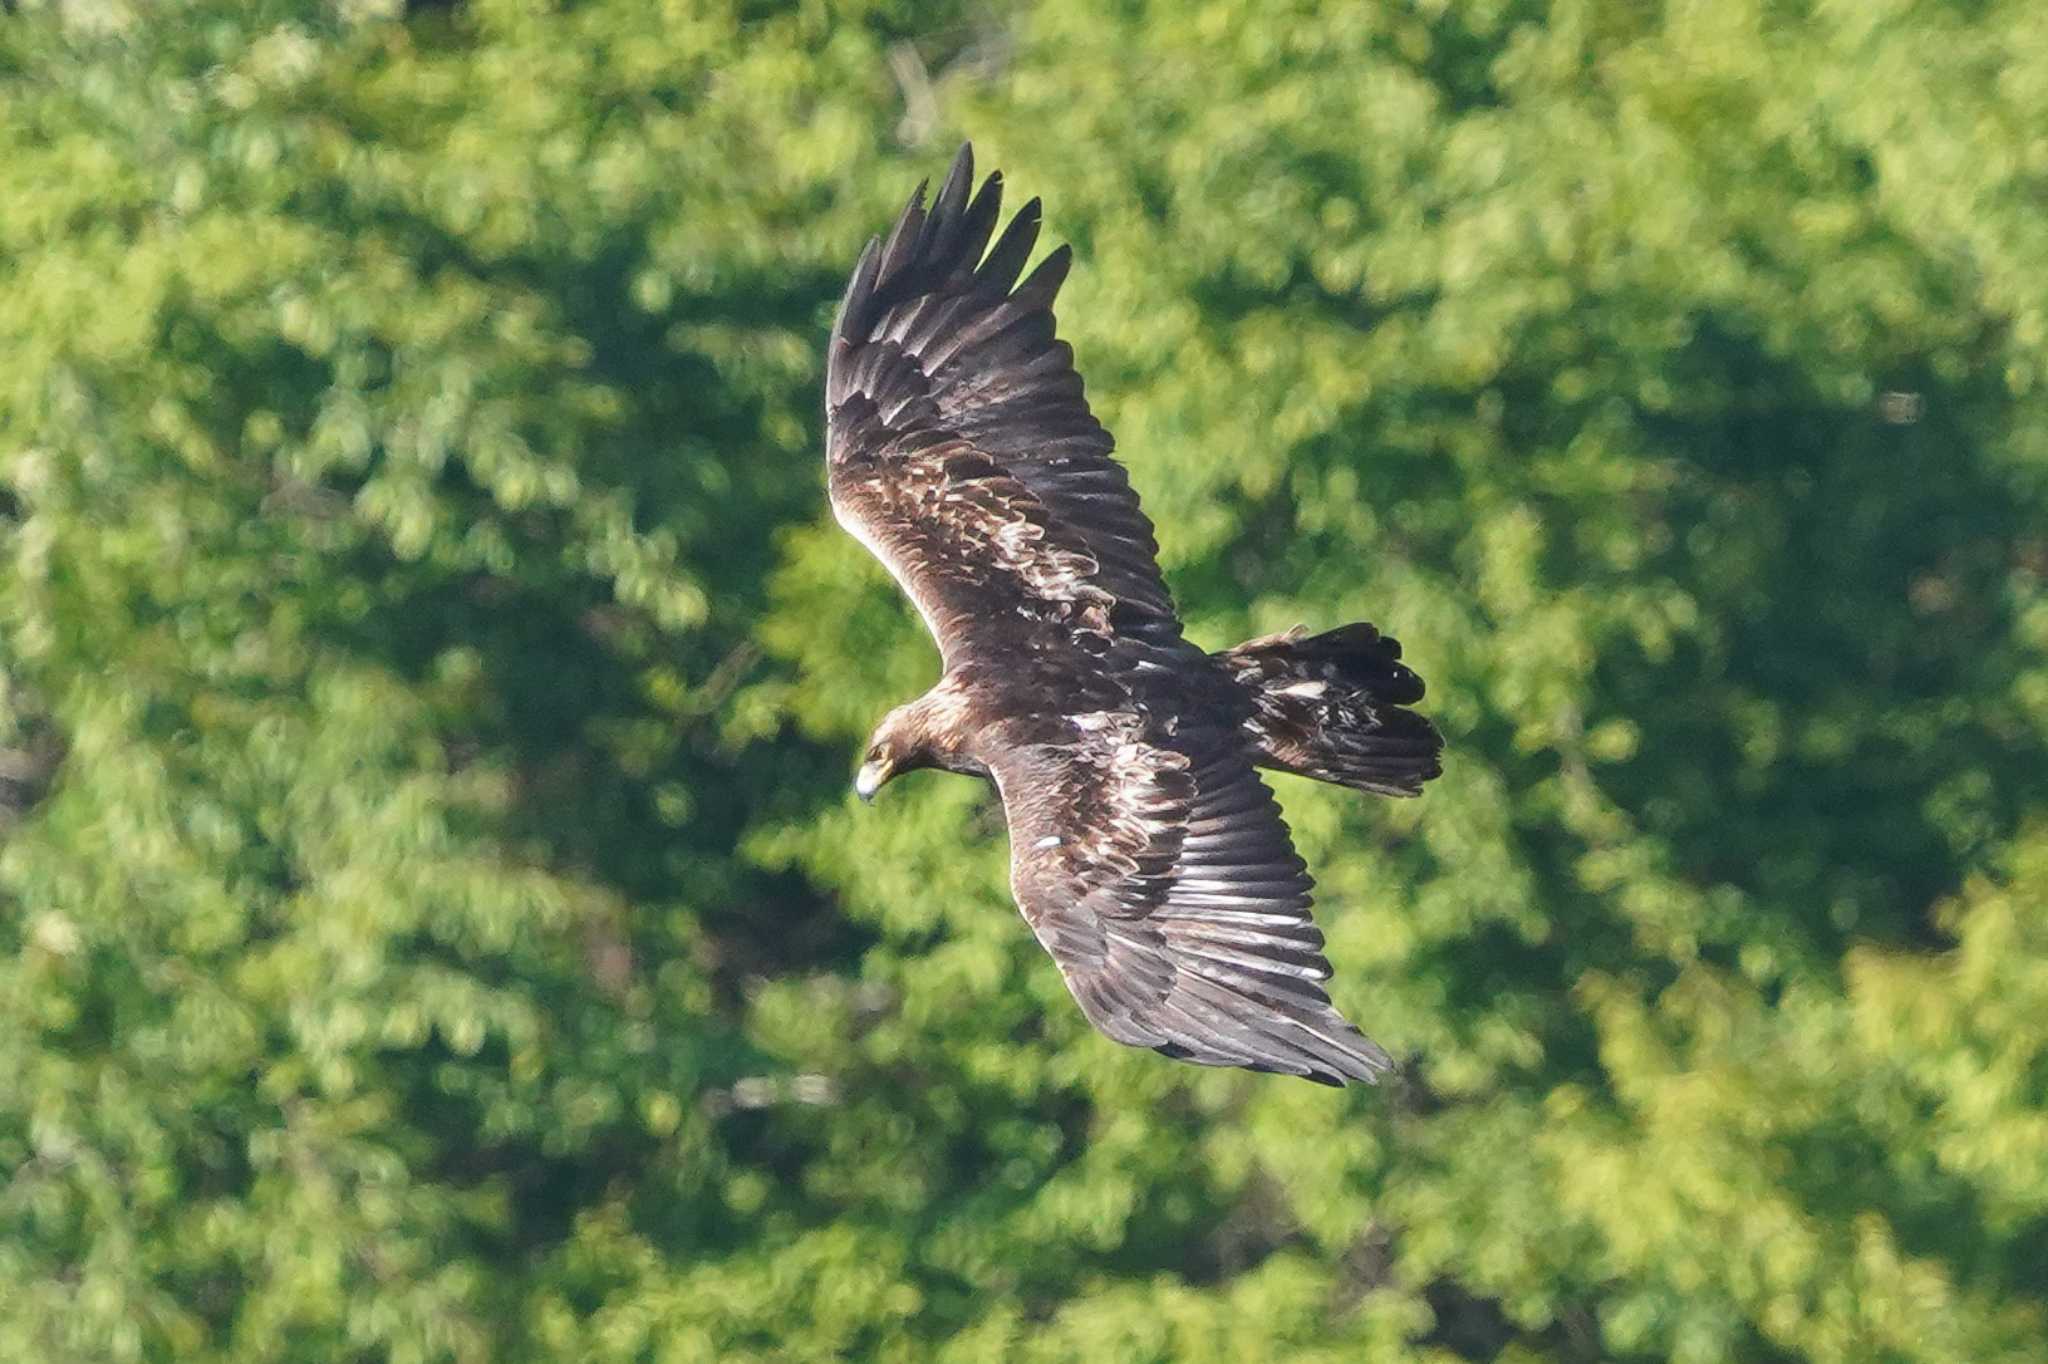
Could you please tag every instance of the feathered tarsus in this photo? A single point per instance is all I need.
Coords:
(1146, 853)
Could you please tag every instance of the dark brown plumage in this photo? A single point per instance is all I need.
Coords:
(1145, 852)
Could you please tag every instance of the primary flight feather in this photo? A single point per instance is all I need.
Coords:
(1145, 852)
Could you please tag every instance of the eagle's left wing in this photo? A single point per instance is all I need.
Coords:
(1156, 870)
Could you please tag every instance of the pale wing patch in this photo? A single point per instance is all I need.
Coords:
(855, 527)
(967, 544)
(1003, 517)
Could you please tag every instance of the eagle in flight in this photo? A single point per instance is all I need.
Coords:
(1145, 852)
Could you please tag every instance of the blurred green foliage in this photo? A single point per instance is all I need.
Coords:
(432, 922)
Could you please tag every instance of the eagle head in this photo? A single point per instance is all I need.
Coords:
(910, 737)
(888, 754)
(874, 774)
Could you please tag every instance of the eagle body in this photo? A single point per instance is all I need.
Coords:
(1146, 854)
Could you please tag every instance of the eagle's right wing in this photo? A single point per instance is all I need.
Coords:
(1158, 873)
(971, 547)
(959, 446)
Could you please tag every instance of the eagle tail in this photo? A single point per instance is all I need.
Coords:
(1332, 707)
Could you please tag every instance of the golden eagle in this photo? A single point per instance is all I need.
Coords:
(1145, 852)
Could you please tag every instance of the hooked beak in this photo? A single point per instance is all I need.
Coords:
(868, 781)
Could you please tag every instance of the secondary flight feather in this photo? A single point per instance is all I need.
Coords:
(1145, 852)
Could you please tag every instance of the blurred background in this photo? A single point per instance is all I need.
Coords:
(434, 924)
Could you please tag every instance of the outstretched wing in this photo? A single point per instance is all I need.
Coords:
(1157, 871)
(959, 447)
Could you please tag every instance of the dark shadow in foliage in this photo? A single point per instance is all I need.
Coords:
(29, 765)
(1841, 1172)
(1851, 574)
(1477, 1328)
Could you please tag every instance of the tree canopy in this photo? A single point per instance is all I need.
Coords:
(434, 924)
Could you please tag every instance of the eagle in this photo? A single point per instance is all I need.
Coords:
(1146, 853)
